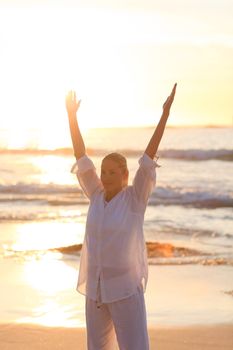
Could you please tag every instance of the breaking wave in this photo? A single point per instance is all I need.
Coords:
(59, 195)
(194, 198)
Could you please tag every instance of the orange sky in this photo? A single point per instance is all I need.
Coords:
(121, 57)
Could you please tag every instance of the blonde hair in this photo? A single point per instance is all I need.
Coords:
(120, 160)
(117, 158)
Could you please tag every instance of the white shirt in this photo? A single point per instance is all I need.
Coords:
(114, 248)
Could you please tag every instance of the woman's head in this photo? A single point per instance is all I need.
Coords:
(114, 172)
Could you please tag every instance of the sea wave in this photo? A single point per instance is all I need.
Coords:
(194, 198)
(35, 188)
(59, 195)
(39, 217)
(198, 234)
(42, 194)
(198, 154)
(182, 154)
(203, 260)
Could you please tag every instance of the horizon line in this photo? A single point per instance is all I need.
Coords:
(133, 126)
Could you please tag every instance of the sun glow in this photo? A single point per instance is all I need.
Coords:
(34, 237)
(122, 63)
(52, 61)
(53, 278)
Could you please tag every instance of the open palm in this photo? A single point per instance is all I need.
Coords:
(72, 105)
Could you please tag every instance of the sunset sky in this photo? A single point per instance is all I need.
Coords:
(121, 57)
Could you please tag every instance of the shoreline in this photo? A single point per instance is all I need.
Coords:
(218, 336)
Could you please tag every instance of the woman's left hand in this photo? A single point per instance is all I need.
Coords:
(167, 104)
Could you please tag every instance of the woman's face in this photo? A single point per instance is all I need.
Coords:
(112, 176)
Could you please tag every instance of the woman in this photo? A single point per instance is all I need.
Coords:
(113, 268)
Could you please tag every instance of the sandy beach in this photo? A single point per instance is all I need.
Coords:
(188, 308)
(25, 337)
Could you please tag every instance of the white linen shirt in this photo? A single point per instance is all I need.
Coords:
(114, 248)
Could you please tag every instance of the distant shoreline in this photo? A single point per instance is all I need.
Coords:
(151, 126)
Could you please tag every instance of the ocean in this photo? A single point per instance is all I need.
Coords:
(189, 218)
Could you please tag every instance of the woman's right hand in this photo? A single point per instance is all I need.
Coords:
(72, 105)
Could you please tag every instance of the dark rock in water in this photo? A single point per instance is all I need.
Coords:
(68, 250)
(230, 292)
(155, 249)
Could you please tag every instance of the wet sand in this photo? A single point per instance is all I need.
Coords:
(33, 292)
(27, 337)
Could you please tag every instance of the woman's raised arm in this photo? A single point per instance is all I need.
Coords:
(153, 145)
(72, 107)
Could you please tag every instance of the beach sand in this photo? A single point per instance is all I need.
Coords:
(27, 337)
(188, 307)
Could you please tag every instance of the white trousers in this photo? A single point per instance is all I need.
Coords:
(124, 319)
